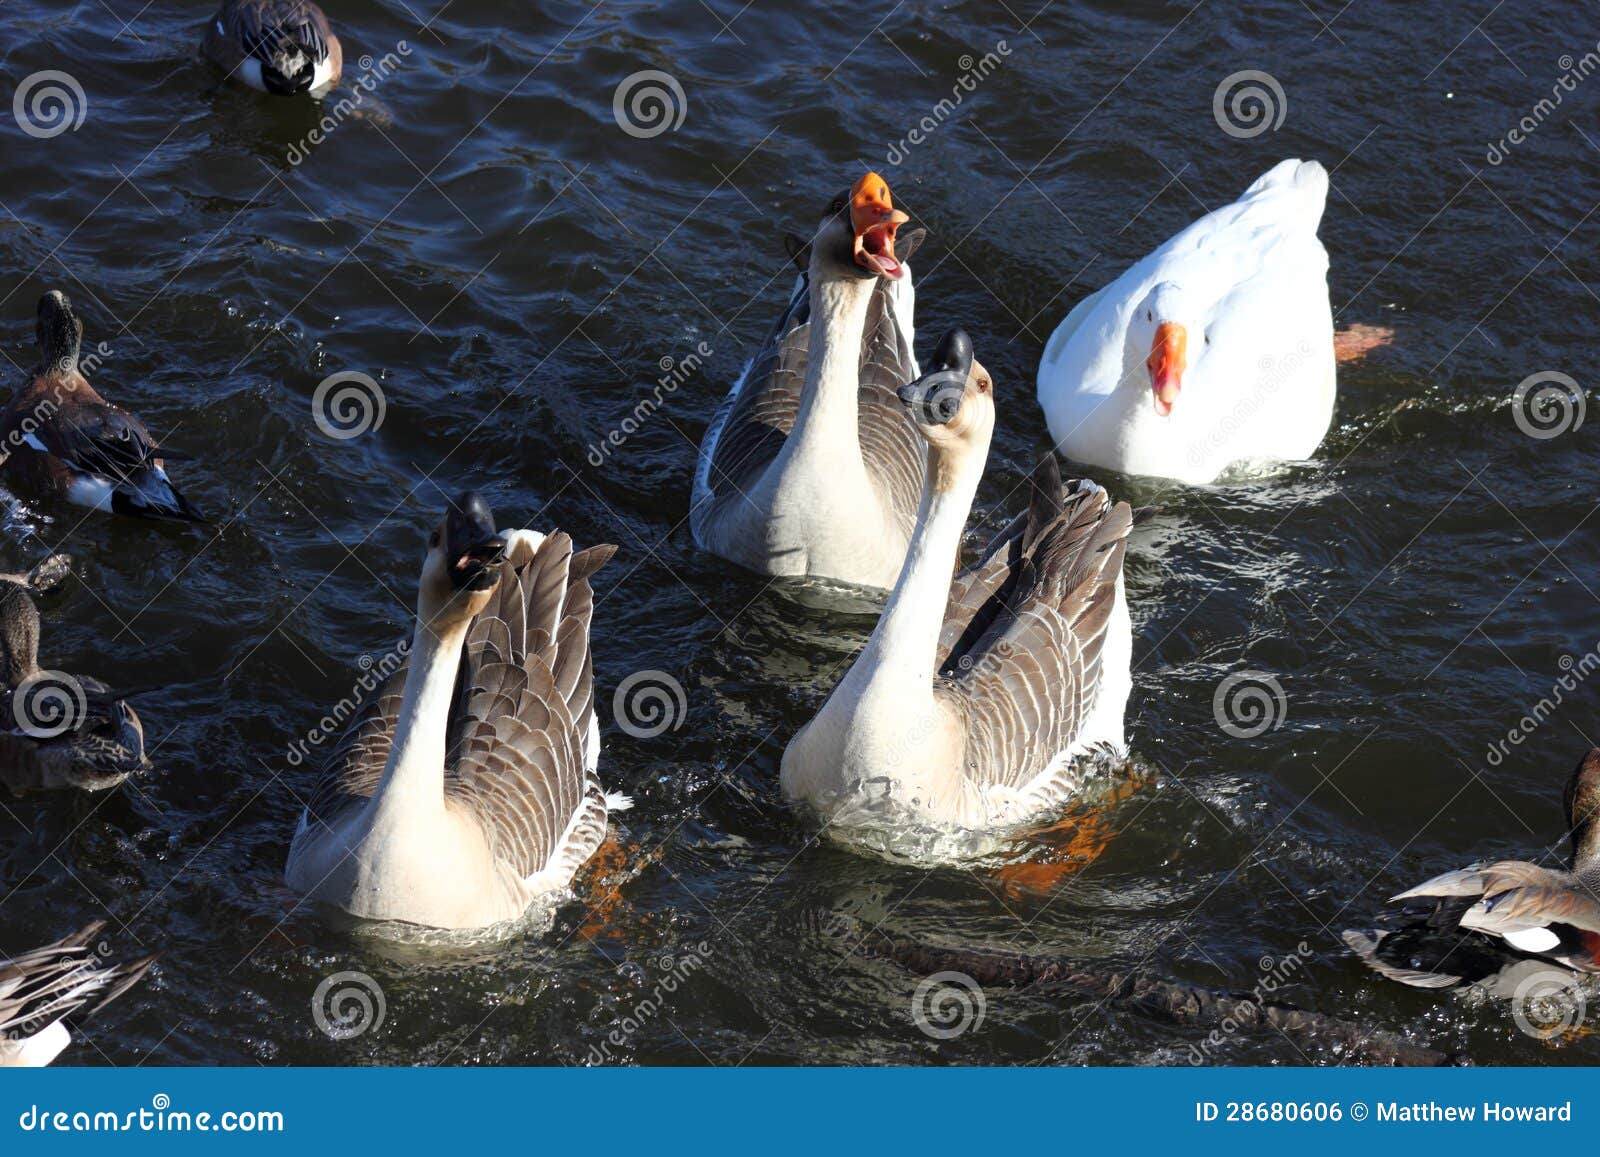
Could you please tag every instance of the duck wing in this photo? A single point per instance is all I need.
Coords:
(105, 442)
(523, 742)
(1029, 626)
(263, 26)
(60, 980)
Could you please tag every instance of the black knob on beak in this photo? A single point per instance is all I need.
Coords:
(474, 547)
(935, 398)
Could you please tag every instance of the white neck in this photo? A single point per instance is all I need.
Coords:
(829, 403)
(413, 777)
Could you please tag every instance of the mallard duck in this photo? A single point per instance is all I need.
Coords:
(284, 47)
(971, 703)
(465, 789)
(56, 730)
(810, 466)
(45, 990)
(60, 439)
(1479, 924)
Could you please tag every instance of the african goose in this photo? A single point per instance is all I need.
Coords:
(42, 990)
(465, 789)
(283, 47)
(971, 702)
(56, 730)
(1485, 923)
(810, 466)
(61, 439)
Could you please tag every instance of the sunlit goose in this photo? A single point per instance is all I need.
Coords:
(970, 702)
(60, 439)
(278, 46)
(810, 466)
(56, 730)
(1216, 349)
(1482, 923)
(465, 789)
(45, 990)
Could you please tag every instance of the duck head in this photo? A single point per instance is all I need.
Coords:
(952, 403)
(59, 331)
(1159, 327)
(465, 557)
(1583, 808)
(856, 236)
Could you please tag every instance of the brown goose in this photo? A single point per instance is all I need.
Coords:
(970, 703)
(43, 990)
(465, 789)
(284, 47)
(810, 466)
(60, 439)
(1478, 924)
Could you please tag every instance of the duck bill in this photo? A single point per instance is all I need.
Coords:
(875, 220)
(1166, 363)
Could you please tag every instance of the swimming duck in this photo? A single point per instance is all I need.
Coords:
(44, 990)
(56, 730)
(283, 47)
(972, 701)
(59, 438)
(1483, 924)
(1216, 349)
(465, 789)
(810, 466)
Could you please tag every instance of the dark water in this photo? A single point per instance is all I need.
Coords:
(486, 241)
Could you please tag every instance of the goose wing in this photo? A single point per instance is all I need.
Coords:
(260, 26)
(1026, 630)
(351, 773)
(522, 744)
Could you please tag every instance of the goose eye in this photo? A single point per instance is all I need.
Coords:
(1148, 316)
(983, 385)
(433, 540)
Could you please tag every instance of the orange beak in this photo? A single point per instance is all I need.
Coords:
(875, 219)
(1167, 360)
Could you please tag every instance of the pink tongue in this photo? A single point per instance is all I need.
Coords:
(887, 266)
(1166, 394)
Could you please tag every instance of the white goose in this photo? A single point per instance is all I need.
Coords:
(465, 789)
(810, 466)
(971, 702)
(44, 990)
(1216, 349)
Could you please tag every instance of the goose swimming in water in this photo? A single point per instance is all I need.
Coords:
(60, 439)
(284, 47)
(1489, 924)
(465, 789)
(56, 730)
(971, 702)
(45, 990)
(811, 466)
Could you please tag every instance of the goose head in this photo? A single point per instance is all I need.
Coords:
(856, 236)
(59, 331)
(1583, 809)
(465, 557)
(1160, 330)
(952, 403)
